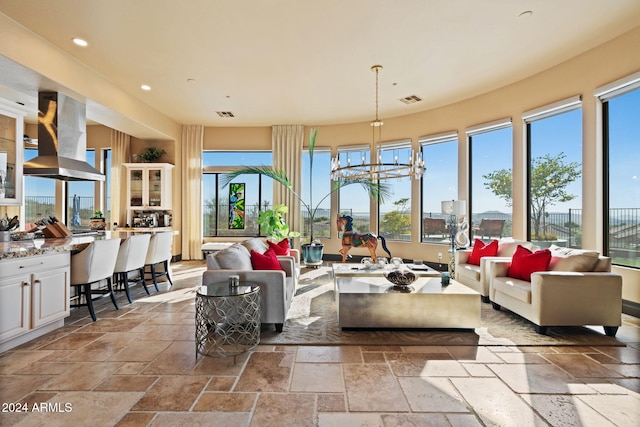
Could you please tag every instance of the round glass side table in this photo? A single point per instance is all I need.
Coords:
(227, 319)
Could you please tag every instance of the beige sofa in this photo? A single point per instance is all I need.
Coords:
(576, 292)
(276, 286)
(476, 276)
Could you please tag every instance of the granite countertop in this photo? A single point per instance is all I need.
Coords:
(75, 243)
(26, 248)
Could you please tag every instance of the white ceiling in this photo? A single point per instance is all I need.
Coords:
(308, 62)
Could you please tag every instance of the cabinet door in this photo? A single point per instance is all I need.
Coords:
(155, 186)
(11, 156)
(50, 296)
(15, 297)
(136, 187)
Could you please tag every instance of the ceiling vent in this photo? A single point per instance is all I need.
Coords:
(411, 99)
(225, 114)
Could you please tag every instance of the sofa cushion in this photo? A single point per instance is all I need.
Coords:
(468, 273)
(507, 246)
(524, 262)
(481, 250)
(255, 244)
(603, 265)
(569, 259)
(266, 261)
(515, 288)
(280, 248)
(235, 257)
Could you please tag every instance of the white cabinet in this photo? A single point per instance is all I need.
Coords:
(148, 187)
(11, 155)
(34, 293)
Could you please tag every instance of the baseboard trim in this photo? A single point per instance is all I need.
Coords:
(631, 308)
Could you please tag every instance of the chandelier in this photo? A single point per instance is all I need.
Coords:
(414, 167)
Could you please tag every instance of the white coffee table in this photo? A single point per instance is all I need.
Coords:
(371, 302)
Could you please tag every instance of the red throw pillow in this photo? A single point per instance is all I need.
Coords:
(481, 250)
(266, 261)
(524, 262)
(280, 248)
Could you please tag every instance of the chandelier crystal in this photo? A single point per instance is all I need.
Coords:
(414, 167)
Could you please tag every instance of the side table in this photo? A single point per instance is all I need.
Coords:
(227, 319)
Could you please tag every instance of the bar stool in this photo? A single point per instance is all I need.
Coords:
(92, 265)
(130, 263)
(159, 253)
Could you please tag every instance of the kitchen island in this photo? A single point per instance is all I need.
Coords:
(35, 285)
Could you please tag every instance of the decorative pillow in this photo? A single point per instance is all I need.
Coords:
(235, 257)
(266, 261)
(481, 250)
(524, 262)
(280, 248)
(569, 259)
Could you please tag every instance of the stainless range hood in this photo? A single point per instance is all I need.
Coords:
(62, 141)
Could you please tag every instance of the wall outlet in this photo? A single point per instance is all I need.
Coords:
(439, 256)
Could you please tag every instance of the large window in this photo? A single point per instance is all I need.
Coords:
(81, 200)
(216, 199)
(554, 135)
(321, 193)
(490, 175)
(439, 182)
(354, 199)
(394, 221)
(39, 195)
(621, 116)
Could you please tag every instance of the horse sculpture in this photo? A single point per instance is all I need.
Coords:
(351, 239)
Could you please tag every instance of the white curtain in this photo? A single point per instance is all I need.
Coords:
(192, 142)
(120, 153)
(286, 145)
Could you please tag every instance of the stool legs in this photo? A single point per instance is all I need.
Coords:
(155, 274)
(111, 294)
(88, 292)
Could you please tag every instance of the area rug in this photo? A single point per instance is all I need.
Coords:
(312, 320)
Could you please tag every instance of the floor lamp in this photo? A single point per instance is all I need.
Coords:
(454, 209)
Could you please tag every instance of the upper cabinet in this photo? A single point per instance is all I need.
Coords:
(11, 154)
(149, 185)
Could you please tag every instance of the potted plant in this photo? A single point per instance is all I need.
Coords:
(272, 224)
(313, 250)
(151, 154)
(97, 221)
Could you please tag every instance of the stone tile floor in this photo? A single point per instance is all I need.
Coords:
(137, 367)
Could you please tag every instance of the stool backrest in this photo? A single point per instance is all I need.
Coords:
(96, 262)
(132, 253)
(159, 248)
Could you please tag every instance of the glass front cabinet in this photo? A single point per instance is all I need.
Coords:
(11, 154)
(148, 187)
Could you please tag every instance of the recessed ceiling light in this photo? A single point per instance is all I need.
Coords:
(145, 87)
(525, 14)
(80, 42)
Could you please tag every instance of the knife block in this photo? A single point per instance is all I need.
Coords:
(56, 230)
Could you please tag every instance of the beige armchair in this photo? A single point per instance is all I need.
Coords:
(276, 286)
(561, 298)
(477, 276)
